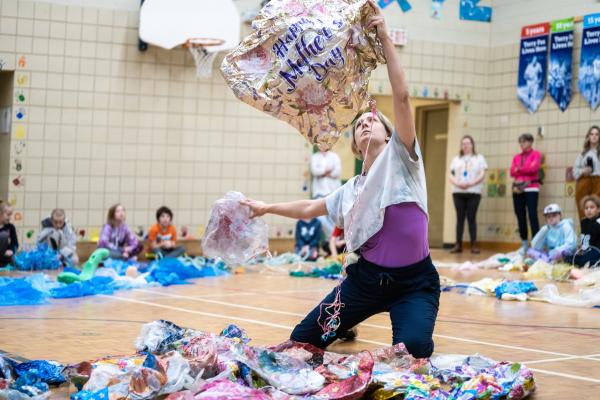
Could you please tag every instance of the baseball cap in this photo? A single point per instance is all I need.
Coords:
(552, 208)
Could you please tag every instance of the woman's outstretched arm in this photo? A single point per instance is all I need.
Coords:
(299, 209)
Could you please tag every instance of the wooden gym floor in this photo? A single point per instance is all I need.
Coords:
(560, 344)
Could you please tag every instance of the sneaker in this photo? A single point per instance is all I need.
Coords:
(349, 336)
(475, 249)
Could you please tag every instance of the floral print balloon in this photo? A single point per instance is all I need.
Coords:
(308, 63)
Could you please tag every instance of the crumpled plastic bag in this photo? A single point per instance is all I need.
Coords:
(155, 336)
(584, 298)
(514, 287)
(231, 234)
(46, 371)
(286, 373)
(307, 63)
(38, 258)
(350, 377)
(219, 390)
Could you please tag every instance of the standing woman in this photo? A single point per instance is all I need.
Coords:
(525, 170)
(587, 169)
(386, 223)
(467, 171)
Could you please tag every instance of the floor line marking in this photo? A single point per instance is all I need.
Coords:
(258, 322)
(591, 357)
(224, 303)
(366, 324)
(297, 291)
(576, 377)
(222, 316)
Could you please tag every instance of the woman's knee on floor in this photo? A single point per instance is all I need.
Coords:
(419, 346)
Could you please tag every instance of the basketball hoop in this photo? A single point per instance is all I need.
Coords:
(204, 52)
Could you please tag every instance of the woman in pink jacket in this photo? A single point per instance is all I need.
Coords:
(525, 169)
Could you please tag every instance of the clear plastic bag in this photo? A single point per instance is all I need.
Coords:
(584, 298)
(153, 334)
(231, 234)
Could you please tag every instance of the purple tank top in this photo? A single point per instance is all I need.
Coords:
(402, 240)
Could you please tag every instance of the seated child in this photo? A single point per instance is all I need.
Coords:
(117, 237)
(336, 243)
(58, 235)
(308, 235)
(9, 243)
(557, 240)
(590, 233)
(163, 235)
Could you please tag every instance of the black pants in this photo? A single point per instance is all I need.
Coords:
(411, 294)
(4, 246)
(525, 204)
(591, 256)
(466, 205)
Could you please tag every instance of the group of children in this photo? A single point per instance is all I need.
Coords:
(116, 236)
(557, 240)
(308, 240)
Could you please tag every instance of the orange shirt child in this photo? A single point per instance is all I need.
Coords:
(159, 234)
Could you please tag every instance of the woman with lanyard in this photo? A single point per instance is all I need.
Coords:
(384, 215)
(525, 169)
(467, 171)
(587, 169)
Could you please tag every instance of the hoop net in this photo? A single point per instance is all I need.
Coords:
(204, 52)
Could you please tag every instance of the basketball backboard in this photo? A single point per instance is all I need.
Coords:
(171, 23)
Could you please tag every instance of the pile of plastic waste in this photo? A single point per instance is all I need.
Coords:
(188, 364)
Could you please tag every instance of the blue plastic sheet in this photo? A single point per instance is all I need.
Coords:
(96, 285)
(29, 384)
(30, 378)
(49, 372)
(36, 289)
(515, 287)
(174, 271)
(101, 394)
(21, 291)
(38, 258)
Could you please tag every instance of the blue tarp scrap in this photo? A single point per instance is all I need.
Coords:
(515, 287)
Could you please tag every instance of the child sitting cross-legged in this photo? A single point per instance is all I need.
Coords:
(58, 235)
(117, 237)
(556, 241)
(163, 235)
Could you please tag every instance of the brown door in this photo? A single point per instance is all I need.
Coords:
(6, 101)
(432, 128)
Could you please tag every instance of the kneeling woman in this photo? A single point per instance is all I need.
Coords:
(386, 224)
